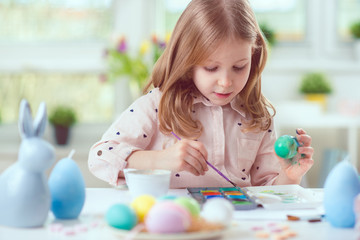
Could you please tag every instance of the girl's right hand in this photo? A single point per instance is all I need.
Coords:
(185, 155)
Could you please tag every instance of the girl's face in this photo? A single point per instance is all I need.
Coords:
(225, 73)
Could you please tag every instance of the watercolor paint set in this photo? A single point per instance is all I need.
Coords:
(277, 197)
(236, 195)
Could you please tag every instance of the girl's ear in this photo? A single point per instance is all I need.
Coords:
(40, 120)
(25, 120)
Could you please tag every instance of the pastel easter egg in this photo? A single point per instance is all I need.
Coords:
(340, 190)
(167, 217)
(166, 198)
(286, 146)
(121, 216)
(142, 204)
(218, 210)
(67, 189)
(190, 204)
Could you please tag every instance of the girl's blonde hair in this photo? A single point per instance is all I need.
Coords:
(200, 29)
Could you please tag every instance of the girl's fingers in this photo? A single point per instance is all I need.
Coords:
(306, 151)
(198, 151)
(200, 147)
(196, 159)
(306, 161)
(300, 131)
(191, 155)
(303, 138)
(193, 162)
(302, 162)
(189, 168)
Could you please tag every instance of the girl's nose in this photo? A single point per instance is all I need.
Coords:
(225, 80)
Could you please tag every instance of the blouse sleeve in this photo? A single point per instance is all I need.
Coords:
(130, 132)
(266, 167)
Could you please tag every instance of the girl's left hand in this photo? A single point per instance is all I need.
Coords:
(302, 162)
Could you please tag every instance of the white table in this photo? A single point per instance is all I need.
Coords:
(91, 224)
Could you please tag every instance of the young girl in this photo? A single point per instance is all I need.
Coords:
(206, 105)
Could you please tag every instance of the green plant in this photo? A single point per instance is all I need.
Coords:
(63, 116)
(268, 33)
(355, 29)
(315, 82)
(120, 62)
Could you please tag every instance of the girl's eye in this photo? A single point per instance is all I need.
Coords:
(211, 69)
(238, 69)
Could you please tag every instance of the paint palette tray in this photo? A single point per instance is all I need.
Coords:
(236, 195)
(284, 197)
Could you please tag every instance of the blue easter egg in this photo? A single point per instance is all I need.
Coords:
(121, 216)
(67, 189)
(341, 187)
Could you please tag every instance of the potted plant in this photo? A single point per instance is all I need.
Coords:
(62, 118)
(315, 86)
(355, 32)
(128, 71)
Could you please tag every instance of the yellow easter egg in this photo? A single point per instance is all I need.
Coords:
(141, 205)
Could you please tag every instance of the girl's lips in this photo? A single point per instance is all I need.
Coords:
(222, 95)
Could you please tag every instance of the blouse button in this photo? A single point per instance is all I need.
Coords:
(99, 153)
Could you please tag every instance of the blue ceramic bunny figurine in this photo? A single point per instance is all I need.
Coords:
(24, 192)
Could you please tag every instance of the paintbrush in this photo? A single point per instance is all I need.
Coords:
(213, 167)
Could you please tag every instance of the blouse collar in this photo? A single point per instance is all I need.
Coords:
(237, 106)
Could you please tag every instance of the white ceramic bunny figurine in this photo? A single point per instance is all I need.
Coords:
(24, 193)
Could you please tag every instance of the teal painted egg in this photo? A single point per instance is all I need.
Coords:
(121, 216)
(286, 146)
(340, 190)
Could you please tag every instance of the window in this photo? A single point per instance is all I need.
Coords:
(91, 98)
(62, 42)
(173, 10)
(53, 53)
(348, 12)
(48, 20)
(286, 17)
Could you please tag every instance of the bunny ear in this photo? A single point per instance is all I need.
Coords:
(40, 120)
(25, 120)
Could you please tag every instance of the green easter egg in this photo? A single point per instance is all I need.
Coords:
(285, 146)
(190, 204)
(121, 216)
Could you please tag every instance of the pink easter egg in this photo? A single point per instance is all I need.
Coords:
(167, 217)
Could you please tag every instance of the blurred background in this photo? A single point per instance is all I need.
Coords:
(88, 60)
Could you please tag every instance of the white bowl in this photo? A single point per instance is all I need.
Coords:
(151, 182)
(126, 170)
